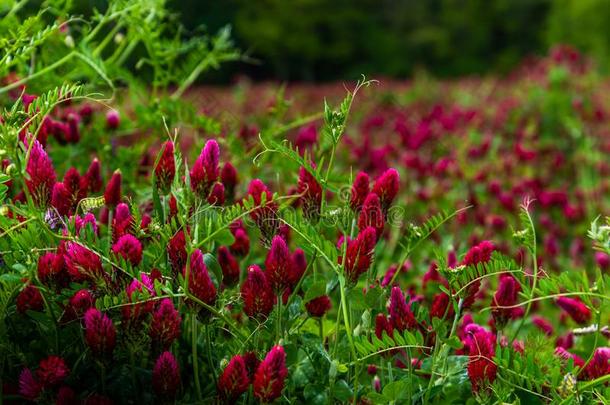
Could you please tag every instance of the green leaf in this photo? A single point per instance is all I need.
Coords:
(213, 268)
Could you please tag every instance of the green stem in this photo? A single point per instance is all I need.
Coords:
(195, 357)
(348, 328)
(278, 334)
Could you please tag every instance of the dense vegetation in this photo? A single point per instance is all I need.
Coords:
(428, 242)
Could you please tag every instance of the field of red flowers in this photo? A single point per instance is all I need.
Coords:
(377, 242)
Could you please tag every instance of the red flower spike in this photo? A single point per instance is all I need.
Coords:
(360, 189)
(61, 199)
(311, 193)
(199, 282)
(100, 333)
(129, 248)
(241, 246)
(359, 254)
(52, 371)
(401, 316)
(112, 195)
(81, 301)
(382, 323)
(94, 176)
(29, 387)
(269, 378)
(122, 222)
(205, 171)
(229, 266)
(165, 325)
(386, 187)
(113, 119)
(234, 380)
(165, 171)
(176, 250)
(166, 376)
(217, 195)
(51, 268)
(264, 216)
(257, 294)
(505, 296)
(578, 311)
(299, 265)
(29, 299)
(599, 365)
(41, 175)
(278, 265)
(480, 345)
(478, 254)
(371, 214)
(228, 177)
(319, 306)
(439, 306)
(136, 311)
(544, 325)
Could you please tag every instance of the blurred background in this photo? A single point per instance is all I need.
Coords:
(324, 40)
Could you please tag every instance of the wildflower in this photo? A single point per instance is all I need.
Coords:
(129, 248)
(359, 254)
(265, 215)
(386, 188)
(440, 304)
(371, 214)
(269, 378)
(205, 171)
(41, 175)
(61, 199)
(478, 254)
(100, 333)
(94, 176)
(229, 266)
(566, 356)
(543, 324)
(81, 223)
(122, 222)
(234, 380)
(83, 264)
(29, 387)
(29, 299)
(318, 306)
(241, 246)
(602, 260)
(578, 311)
(228, 177)
(505, 296)
(112, 195)
(311, 193)
(257, 293)
(81, 301)
(360, 189)
(66, 396)
(51, 269)
(278, 264)
(166, 376)
(401, 316)
(199, 282)
(76, 185)
(480, 345)
(113, 119)
(217, 195)
(299, 265)
(306, 138)
(165, 171)
(52, 371)
(165, 325)
(145, 286)
(599, 365)
(176, 250)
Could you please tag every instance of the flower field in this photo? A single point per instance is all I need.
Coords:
(369, 242)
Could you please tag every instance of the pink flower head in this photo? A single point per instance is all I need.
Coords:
(401, 316)
(76, 185)
(478, 254)
(29, 387)
(480, 345)
(602, 260)
(100, 333)
(113, 119)
(543, 324)
(166, 376)
(578, 311)
(360, 189)
(112, 195)
(265, 215)
(440, 306)
(29, 299)
(505, 296)
(306, 138)
(359, 254)
(94, 176)
(229, 266)
(565, 355)
(165, 170)
(81, 301)
(144, 288)
(241, 246)
(257, 293)
(41, 175)
(81, 223)
(599, 365)
(278, 264)
(51, 269)
(217, 195)
(52, 371)
(176, 250)
(383, 324)
(234, 380)
(129, 248)
(386, 187)
(228, 177)
(205, 171)
(371, 214)
(269, 378)
(299, 265)
(311, 193)
(317, 307)
(165, 325)
(61, 199)
(122, 223)
(199, 282)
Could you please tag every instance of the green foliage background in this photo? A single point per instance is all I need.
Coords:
(335, 39)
